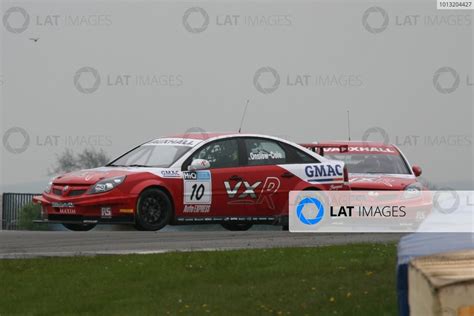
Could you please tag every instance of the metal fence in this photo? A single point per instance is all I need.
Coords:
(12, 203)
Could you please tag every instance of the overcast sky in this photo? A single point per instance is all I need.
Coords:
(111, 75)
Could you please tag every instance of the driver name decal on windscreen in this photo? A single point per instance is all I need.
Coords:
(197, 191)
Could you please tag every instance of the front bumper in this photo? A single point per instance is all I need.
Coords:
(86, 220)
(87, 209)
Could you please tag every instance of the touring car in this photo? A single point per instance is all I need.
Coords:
(375, 166)
(372, 165)
(233, 179)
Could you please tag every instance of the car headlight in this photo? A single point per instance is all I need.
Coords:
(106, 185)
(48, 187)
(413, 190)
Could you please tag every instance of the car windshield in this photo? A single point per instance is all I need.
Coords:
(372, 163)
(151, 155)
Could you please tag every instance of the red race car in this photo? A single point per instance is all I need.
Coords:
(233, 179)
(379, 167)
(372, 165)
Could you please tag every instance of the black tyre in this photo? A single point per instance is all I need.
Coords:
(79, 227)
(154, 210)
(236, 226)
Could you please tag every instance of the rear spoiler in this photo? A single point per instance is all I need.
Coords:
(319, 148)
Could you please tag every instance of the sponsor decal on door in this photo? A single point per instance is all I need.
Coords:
(243, 192)
(197, 191)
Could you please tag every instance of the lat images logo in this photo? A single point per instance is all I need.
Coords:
(192, 14)
(371, 26)
(87, 80)
(11, 20)
(307, 203)
(376, 20)
(379, 133)
(266, 80)
(16, 140)
(446, 80)
(196, 20)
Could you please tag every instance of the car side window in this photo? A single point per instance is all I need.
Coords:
(261, 152)
(297, 156)
(220, 154)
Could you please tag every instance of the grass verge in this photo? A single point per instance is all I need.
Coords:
(354, 279)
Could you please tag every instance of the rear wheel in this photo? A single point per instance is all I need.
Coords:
(79, 227)
(237, 226)
(154, 210)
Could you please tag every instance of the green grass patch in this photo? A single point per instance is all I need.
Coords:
(28, 214)
(335, 280)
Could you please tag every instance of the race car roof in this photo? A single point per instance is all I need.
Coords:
(200, 135)
(357, 143)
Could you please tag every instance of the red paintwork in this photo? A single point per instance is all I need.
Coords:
(416, 170)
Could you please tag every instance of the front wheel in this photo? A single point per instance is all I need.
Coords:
(79, 227)
(237, 226)
(154, 210)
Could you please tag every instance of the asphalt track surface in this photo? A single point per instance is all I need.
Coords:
(26, 244)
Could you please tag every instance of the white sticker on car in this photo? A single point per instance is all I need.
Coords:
(317, 172)
(197, 187)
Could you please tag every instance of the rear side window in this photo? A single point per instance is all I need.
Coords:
(261, 152)
(296, 156)
(304, 158)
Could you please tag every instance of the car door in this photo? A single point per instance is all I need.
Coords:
(265, 176)
(207, 192)
(263, 183)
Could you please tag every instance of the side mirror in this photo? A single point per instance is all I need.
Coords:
(199, 164)
(416, 170)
